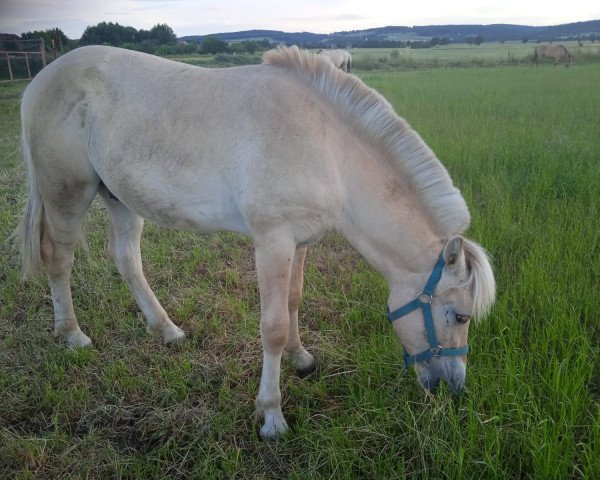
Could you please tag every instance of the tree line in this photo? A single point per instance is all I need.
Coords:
(160, 40)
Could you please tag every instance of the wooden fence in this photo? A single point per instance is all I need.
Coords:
(22, 59)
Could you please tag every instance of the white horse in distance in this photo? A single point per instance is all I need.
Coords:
(339, 58)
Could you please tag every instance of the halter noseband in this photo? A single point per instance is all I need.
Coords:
(423, 301)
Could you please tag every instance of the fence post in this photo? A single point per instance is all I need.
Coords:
(27, 63)
(9, 68)
(43, 51)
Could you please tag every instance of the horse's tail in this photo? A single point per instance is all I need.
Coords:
(31, 226)
(535, 56)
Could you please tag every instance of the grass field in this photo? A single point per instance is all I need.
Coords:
(457, 55)
(453, 55)
(524, 147)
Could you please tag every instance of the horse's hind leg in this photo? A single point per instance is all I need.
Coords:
(64, 212)
(124, 247)
(301, 359)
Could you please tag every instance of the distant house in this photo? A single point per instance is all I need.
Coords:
(9, 41)
(9, 37)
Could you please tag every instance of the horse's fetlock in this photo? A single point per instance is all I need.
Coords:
(265, 403)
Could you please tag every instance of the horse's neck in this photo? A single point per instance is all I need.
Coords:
(383, 220)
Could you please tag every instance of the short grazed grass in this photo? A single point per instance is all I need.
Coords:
(522, 144)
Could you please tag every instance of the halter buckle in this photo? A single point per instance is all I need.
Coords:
(424, 298)
(436, 351)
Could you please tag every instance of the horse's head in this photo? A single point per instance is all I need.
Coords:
(433, 326)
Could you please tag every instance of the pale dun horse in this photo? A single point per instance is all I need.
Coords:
(558, 53)
(339, 58)
(282, 152)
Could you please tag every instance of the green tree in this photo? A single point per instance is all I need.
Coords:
(52, 36)
(478, 40)
(108, 33)
(143, 35)
(214, 45)
(162, 34)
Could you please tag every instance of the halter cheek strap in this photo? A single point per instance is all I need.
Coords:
(423, 301)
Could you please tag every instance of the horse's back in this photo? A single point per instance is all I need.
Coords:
(186, 147)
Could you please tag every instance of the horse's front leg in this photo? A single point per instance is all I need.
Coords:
(274, 258)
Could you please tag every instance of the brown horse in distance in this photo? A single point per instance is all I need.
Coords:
(556, 52)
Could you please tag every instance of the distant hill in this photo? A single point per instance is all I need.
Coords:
(456, 34)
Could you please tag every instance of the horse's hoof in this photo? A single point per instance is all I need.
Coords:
(307, 371)
(274, 427)
(173, 336)
(304, 362)
(79, 340)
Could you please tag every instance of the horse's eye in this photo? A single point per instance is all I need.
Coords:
(462, 318)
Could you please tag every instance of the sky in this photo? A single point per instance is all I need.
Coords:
(199, 17)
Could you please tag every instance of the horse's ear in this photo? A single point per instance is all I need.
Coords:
(453, 252)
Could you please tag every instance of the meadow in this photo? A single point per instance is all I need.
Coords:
(522, 144)
(446, 56)
(463, 55)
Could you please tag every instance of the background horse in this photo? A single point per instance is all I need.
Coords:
(282, 152)
(556, 52)
(339, 58)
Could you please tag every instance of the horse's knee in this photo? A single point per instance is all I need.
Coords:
(274, 334)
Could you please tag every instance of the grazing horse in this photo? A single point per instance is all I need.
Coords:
(556, 52)
(339, 58)
(282, 152)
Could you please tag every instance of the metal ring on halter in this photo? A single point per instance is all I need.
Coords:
(436, 351)
(427, 300)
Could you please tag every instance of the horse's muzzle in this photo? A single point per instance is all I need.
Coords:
(450, 370)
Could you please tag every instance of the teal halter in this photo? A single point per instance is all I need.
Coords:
(423, 301)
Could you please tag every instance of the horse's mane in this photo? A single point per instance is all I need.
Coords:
(481, 278)
(374, 117)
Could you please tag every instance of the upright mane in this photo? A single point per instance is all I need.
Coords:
(372, 115)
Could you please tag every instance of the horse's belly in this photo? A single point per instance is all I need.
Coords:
(181, 211)
(199, 218)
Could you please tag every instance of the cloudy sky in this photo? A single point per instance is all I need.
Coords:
(188, 17)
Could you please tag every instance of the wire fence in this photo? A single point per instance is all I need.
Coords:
(22, 59)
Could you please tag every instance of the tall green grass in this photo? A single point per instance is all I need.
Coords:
(523, 146)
